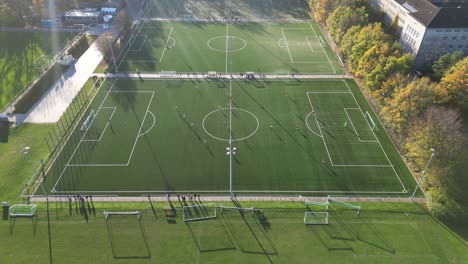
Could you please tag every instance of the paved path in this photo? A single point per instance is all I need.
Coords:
(221, 76)
(203, 198)
(53, 104)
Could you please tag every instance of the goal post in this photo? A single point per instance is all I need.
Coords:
(316, 218)
(199, 212)
(345, 204)
(23, 210)
(238, 209)
(108, 214)
(88, 121)
(308, 204)
(167, 74)
(371, 122)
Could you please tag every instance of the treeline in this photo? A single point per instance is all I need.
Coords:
(419, 113)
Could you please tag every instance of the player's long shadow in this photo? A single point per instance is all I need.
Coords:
(116, 255)
(263, 250)
(34, 223)
(214, 249)
(381, 242)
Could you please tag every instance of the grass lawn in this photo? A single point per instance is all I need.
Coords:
(171, 135)
(251, 47)
(383, 233)
(23, 56)
(15, 172)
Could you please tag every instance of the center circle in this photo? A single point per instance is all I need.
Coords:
(219, 44)
(244, 124)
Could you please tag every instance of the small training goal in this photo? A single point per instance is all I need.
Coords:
(167, 74)
(199, 212)
(237, 209)
(23, 210)
(89, 120)
(316, 218)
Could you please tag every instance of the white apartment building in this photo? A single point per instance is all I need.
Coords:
(428, 31)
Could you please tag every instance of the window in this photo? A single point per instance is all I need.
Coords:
(445, 37)
(454, 38)
(450, 46)
(463, 38)
(460, 46)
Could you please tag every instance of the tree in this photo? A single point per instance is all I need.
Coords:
(343, 18)
(123, 22)
(357, 41)
(7, 16)
(321, 9)
(454, 85)
(409, 102)
(442, 129)
(444, 63)
(395, 81)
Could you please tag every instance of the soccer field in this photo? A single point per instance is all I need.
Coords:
(274, 48)
(291, 136)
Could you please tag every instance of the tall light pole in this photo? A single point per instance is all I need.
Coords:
(423, 173)
(109, 39)
(39, 181)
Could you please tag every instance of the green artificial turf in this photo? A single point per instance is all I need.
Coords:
(290, 10)
(274, 48)
(23, 56)
(172, 135)
(382, 233)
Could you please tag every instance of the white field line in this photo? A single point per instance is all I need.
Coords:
(310, 45)
(378, 142)
(154, 122)
(334, 70)
(360, 140)
(105, 128)
(287, 46)
(165, 45)
(321, 134)
(307, 124)
(227, 191)
(326, 147)
(128, 46)
(141, 126)
(84, 134)
(142, 43)
(351, 121)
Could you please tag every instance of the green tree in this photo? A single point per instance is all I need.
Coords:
(7, 16)
(343, 18)
(357, 41)
(442, 129)
(444, 63)
(395, 81)
(454, 85)
(409, 102)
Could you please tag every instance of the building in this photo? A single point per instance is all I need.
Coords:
(428, 29)
(83, 16)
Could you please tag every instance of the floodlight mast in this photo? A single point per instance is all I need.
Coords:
(423, 173)
(39, 181)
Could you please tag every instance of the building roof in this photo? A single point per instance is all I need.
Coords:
(437, 17)
(450, 17)
(83, 13)
(422, 10)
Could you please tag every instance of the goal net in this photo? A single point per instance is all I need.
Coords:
(238, 209)
(212, 75)
(316, 218)
(348, 205)
(199, 212)
(167, 74)
(109, 215)
(89, 120)
(369, 119)
(23, 210)
(311, 204)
